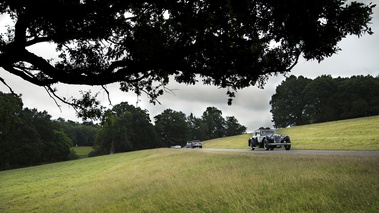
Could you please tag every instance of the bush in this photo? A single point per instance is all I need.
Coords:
(73, 155)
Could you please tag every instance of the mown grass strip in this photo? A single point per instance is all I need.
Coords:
(167, 180)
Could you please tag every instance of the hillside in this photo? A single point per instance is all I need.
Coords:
(352, 134)
(170, 180)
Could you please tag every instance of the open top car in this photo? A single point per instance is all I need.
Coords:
(268, 139)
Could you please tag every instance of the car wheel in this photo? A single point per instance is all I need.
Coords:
(288, 147)
(251, 146)
(265, 144)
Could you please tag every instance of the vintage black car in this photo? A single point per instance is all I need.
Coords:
(268, 139)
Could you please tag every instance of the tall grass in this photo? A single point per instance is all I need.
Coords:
(167, 180)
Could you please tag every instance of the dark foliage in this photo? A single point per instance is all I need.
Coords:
(231, 44)
(176, 129)
(172, 127)
(299, 101)
(81, 134)
(125, 128)
(32, 139)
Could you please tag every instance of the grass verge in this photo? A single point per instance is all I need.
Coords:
(168, 180)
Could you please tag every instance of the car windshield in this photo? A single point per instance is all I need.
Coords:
(267, 132)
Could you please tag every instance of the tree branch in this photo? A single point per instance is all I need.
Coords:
(48, 89)
(5, 83)
(106, 90)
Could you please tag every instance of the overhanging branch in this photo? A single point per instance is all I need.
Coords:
(5, 83)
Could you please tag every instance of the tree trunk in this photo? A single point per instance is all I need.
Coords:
(112, 148)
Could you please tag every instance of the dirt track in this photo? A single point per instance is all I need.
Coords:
(295, 152)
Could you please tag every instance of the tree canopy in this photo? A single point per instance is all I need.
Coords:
(300, 101)
(140, 44)
(29, 137)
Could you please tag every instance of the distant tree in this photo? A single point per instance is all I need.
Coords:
(125, 128)
(172, 127)
(32, 141)
(10, 107)
(197, 128)
(358, 96)
(61, 142)
(85, 135)
(232, 127)
(21, 147)
(215, 123)
(288, 103)
(144, 135)
(320, 95)
(231, 44)
(300, 101)
(81, 134)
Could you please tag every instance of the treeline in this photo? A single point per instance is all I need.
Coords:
(299, 100)
(81, 134)
(29, 137)
(127, 128)
(175, 128)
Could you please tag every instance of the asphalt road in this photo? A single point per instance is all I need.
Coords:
(294, 152)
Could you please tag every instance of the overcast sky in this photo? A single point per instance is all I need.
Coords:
(359, 56)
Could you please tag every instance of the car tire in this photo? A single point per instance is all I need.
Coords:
(265, 144)
(288, 147)
(251, 146)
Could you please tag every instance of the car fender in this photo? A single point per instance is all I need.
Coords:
(287, 137)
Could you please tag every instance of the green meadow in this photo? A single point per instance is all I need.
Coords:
(82, 150)
(169, 180)
(352, 134)
(185, 180)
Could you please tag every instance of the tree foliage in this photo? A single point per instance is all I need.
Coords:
(172, 127)
(32, 139)
(287, 104)
(176, 129)
(125, 128)
(81, 134)
(10, 107)
(231, 44)
(299, 100)
(215, 123)
(232, 127)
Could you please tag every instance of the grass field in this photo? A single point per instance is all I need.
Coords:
(169, 180)
(82, 150)
(352, 134)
